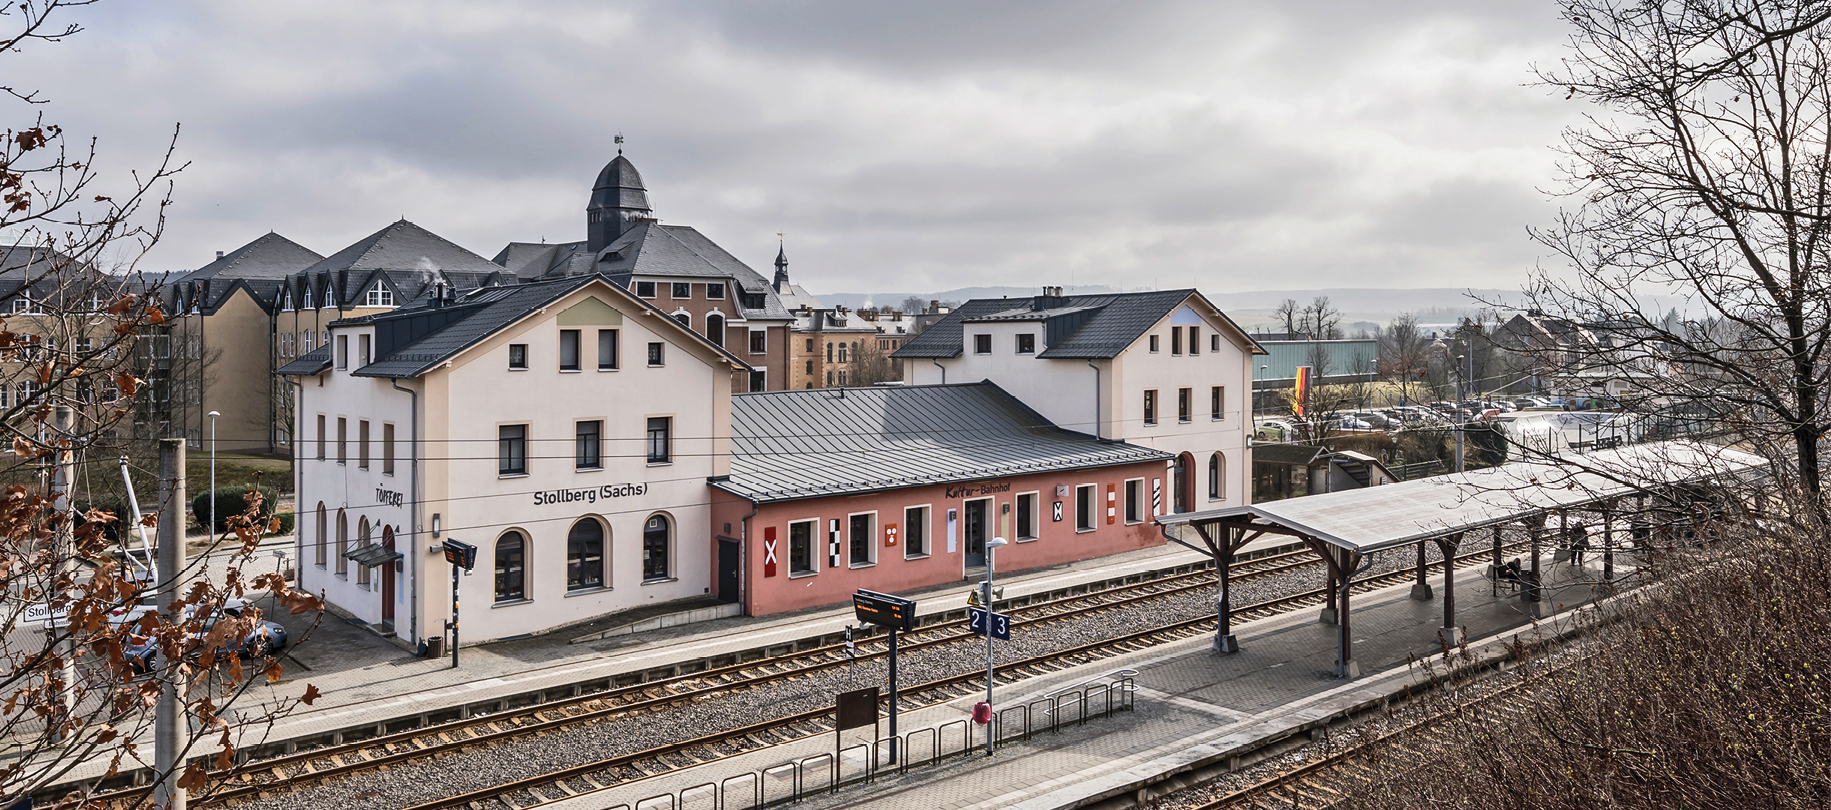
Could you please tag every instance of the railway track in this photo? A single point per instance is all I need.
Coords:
(292, 771)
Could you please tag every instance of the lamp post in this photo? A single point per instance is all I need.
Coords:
(213, 415)
(991, 728)
(1257, 384)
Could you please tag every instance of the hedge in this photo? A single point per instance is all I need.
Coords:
(232, 501)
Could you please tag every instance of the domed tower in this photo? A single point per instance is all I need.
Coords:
(617, 200)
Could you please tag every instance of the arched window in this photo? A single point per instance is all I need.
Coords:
(657, 537)
(842, 352)
(323, 537)
(362, 541)
(1217, 481)
(715, 328)
(585, 555)
(511, 561)
(685, 319)
(343, 543)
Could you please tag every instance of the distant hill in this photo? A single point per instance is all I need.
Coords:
(1357, 305)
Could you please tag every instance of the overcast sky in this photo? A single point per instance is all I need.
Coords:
(900, 146)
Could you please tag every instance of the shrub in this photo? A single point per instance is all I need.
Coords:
(232, 501)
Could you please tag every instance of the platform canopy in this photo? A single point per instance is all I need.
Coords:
(1364, 521)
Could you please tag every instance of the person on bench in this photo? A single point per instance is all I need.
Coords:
(1579, 543)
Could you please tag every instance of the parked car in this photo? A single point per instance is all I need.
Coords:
(1277, 430)
(1376, 420)
(264, 638)
(1347, 422)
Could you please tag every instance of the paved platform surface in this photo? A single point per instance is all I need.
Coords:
(1191, 702)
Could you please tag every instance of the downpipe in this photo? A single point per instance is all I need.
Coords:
(413, 513)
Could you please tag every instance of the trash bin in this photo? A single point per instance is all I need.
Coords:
(435, 647)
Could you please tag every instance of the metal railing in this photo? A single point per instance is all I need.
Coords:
(862, 763)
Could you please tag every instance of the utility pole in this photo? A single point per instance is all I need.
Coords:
(168, 721)
(65, 544)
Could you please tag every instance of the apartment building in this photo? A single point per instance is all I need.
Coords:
(1166, 370)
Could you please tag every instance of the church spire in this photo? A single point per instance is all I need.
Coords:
(781, 282)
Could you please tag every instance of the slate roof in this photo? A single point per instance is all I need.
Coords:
(1095, 326)
(316, 361)
(648, 248)
(790, 445)
(403, 246)
(271, 256)
(473, 317)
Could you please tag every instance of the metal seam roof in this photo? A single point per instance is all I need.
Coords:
(1394, 515)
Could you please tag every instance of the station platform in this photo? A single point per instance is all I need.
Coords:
(364, 679)
(1194, 707)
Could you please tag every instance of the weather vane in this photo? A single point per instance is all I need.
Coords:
(619, 143)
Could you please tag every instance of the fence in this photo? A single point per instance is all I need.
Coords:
(800, 778)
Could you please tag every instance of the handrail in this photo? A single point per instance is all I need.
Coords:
(1125, 672)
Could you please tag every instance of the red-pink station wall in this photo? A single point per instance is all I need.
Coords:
(775, 589)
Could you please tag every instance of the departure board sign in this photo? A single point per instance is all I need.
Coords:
(884, 610)
(460, 554)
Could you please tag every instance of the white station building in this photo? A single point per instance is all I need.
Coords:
(567, 429)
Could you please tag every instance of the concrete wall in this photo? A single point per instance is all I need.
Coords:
(896, 569)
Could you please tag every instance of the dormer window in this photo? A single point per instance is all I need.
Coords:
(308, 299)
(379, 296)
(286, 302)
(22, 304)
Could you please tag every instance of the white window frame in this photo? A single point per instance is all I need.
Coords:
(927, 531)
(813, 548)
(1093, 504)
(379, 295)
(870, 537)
(1036, 515)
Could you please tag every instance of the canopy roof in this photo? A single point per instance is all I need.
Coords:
(1379, 518)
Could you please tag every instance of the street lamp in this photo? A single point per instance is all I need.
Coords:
(991, 728)
(213, 415)
(1257, 384)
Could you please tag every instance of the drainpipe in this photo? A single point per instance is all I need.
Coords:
(298, 487)
(941, 367)
(1096, 368)
(743, 572)
(413, 513)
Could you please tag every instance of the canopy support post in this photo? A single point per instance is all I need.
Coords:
(1420, 590)
(1608, 541)
(1450, 634)
(1529, 593)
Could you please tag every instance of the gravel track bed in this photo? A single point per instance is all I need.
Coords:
(478, 768)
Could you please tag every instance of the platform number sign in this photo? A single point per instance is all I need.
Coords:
(982, 621)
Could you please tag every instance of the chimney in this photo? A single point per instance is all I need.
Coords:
(219, 255)
(934, 306)
(438, 294)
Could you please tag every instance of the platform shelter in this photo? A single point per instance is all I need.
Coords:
(1347, 528)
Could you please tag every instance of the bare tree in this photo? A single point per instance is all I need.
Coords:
(872, 365)
(913, 305)
(1707, 175)
(1288, 313)
(75, 312)
(1404, 357)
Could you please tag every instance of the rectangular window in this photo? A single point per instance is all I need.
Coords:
(759, 341)
(1214, 343)
(801, 548)
(1026, 344)
(645, 289)
(715, 291)
(810, 344)
(810, 366)
(343, 351)
(660, 441)
(859, 540)
(607, 350)
(362, 349)
(758, 380)
(589, 445)
(1153, 344)
(1195, 340)
(1026, 516)
(320, 437)
(1185, 404)
(362, 443)
(915, 531)
(1084, 508)
(982, 344)
(387, 448)
(512, 450)
(1134, 501)
(1176, 340)
(568, 350)
(682, 290)
(655, 356)
(518, 356)
(1150, 406)
(343, 440)
(1217, 401)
